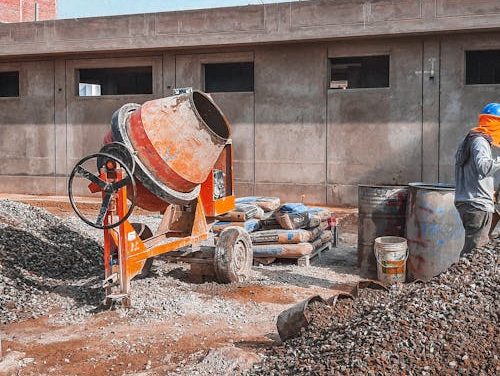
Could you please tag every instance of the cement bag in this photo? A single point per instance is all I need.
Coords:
(324, 225)
(242, 213)
(293, 207)
(270, 223)
(282, 250)
(266, 203)
(314, 220)
(259, 212)
(292, 221)
(249, 226)
(317, 243)
(326, 237)
(281, 236)
(314, 233)
(323, 214)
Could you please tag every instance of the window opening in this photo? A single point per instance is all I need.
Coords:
(359, 72)
(9, 84)
(229, 77)
(482, 67)
(115, 81)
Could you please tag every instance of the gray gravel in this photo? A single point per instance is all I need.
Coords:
(44, 264)
(447, 326)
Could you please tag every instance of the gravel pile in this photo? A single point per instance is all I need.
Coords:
(52, 266)
(446, 326)
(44, 263)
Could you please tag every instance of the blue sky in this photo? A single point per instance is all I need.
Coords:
(92, 8)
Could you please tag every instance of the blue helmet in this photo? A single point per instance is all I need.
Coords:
(491, 109)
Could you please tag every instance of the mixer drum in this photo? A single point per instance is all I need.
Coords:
(176, 140)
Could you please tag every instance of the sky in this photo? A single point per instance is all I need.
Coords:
(93, 8)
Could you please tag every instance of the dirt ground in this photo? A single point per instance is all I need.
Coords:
(206, 341)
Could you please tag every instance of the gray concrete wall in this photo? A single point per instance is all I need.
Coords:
(238, 107)
(375, 134)
(460, 103)
(270, 23)
(290, 121)
(27, 132)
(292, 136)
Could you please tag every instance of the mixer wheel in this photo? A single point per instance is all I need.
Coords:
(233, 255)
(144, 233)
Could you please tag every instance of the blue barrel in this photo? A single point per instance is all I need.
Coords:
(434, 230)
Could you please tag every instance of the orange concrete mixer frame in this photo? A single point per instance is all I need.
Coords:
(183, 154)
(188, 229)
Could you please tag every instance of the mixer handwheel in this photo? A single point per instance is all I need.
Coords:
(108, 162)
(233, 255)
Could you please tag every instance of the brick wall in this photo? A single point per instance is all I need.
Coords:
(10, 10)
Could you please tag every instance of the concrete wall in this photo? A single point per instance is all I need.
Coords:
(293, 137)
(270, 23)
(27, 138)
(460, 103)
(375, 135)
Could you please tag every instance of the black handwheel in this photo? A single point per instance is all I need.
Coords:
(108, 188)
(233, 256)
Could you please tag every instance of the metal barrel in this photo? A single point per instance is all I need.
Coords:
(176, 141)
(382, 212)
(433, 229)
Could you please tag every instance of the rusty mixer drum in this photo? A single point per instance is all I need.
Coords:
(176, 141)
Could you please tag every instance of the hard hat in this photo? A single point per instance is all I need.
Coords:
(491, 109)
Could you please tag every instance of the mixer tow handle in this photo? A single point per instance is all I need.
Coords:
(108, 165)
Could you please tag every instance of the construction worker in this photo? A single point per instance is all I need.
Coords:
(474, 178)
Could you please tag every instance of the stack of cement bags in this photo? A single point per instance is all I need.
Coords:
(279, 231)
(295, 230)
(249, 213)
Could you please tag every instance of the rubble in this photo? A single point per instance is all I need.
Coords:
(44, 263)
(448, 325)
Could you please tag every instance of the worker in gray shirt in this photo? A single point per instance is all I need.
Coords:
(474, 178)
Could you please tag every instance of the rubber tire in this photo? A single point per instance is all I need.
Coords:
(233, 256)
(144, 233)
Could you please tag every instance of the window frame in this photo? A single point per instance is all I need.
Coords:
(220, 62)
(464, 75)
(77, 81)
(73, 65)
(10, 69)
(344, 56)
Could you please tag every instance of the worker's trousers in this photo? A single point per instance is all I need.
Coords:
(477, 225)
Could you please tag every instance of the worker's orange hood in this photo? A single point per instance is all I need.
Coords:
(489, 125)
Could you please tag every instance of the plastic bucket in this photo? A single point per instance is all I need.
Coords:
(391, 253)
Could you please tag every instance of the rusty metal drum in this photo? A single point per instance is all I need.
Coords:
(433, 229)
(382, 212)
(176, 141)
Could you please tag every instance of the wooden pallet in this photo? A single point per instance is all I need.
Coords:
(301, 261)
(306, 260)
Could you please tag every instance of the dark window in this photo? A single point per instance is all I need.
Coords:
(228, 77)
(359, 72)
(482, 67)
(9, 84)
(115, 81)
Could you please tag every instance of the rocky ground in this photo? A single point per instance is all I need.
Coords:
(52, 322)
(447, 326)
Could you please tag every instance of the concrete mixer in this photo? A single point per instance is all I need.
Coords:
(172, 156)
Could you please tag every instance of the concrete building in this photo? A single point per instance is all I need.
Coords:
(322, 95)
(27, 10)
